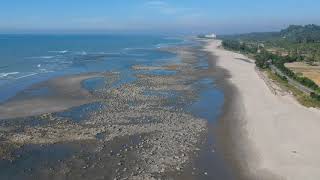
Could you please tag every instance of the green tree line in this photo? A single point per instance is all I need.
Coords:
(264, 59)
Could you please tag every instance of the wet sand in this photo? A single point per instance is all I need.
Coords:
(263, 135)
(51, 96)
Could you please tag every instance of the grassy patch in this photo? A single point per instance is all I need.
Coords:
(302, 98)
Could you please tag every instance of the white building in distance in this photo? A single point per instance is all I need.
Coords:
(211, 36)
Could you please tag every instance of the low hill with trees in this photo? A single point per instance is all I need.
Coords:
(296, 40)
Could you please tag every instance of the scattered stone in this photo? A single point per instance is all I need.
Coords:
(149, 106)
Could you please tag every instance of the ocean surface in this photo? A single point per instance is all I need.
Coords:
(29, 59)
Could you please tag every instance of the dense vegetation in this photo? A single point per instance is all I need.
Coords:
(264, 59)
(294, 34)
(294, 40)
(300, 43)
(309, 101)
(240, 46)
(302, 34)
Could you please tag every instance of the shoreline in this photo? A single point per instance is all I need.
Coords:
(230, 121)
(261, 134)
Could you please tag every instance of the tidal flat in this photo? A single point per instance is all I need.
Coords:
(153, 127)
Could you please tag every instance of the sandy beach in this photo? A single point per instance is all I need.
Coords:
(271, 136)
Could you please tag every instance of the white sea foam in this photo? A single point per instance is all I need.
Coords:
(27, 75)
(109, 54)
(41, 57)
(3, 75)
(60, 52)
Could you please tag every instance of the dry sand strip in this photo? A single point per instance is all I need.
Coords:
(278, 138)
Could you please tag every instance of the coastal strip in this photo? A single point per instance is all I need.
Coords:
(266, 136)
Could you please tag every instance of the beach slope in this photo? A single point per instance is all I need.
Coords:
(278, 138)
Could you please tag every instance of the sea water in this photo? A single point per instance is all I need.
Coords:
(29, 59)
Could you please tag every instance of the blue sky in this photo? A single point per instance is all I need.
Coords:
(188, 16)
